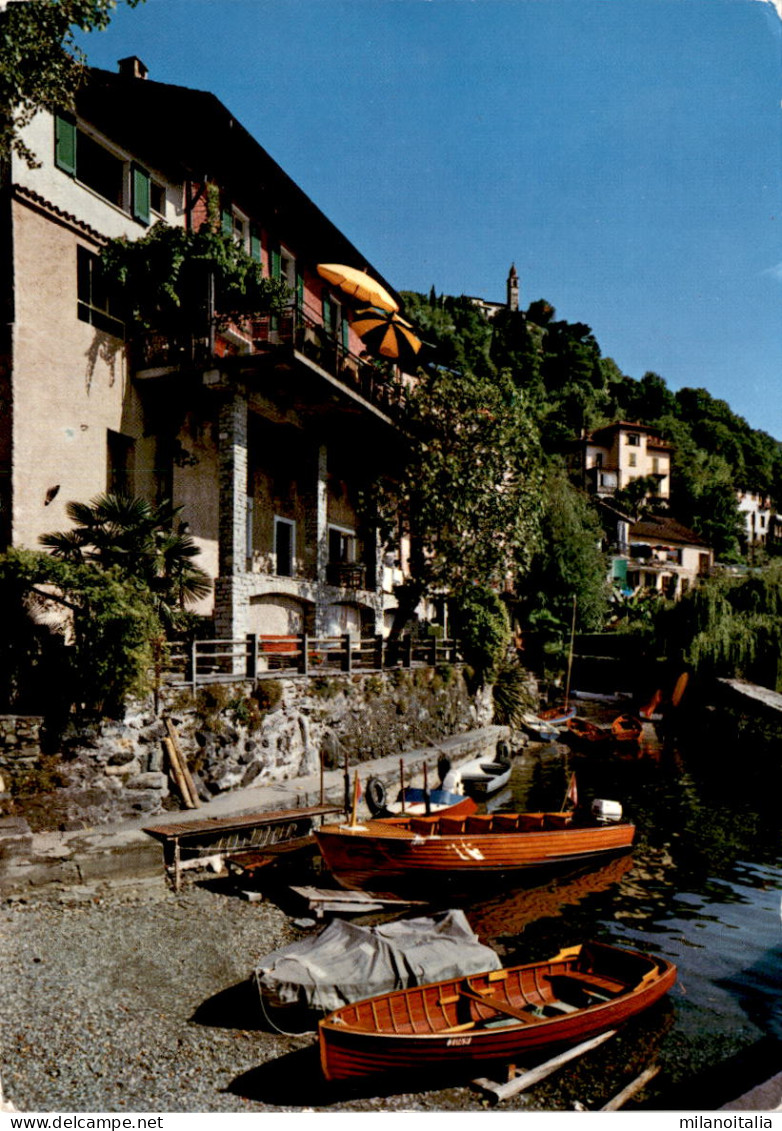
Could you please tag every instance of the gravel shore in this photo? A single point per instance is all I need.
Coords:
(135, 999)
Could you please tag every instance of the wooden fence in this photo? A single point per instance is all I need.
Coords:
(258, 657)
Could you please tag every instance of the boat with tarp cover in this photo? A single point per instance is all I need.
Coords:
(495, 1016)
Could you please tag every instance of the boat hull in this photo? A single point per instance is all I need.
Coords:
(445, 1024)
(376, 856)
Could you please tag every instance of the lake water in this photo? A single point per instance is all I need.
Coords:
(702, 887)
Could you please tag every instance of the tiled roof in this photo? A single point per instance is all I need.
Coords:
(657, 528)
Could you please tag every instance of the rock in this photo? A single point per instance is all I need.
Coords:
(131, 767)
(150, 780)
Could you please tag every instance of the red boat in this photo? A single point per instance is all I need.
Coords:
(627, 728)
(493, 1017)
(429, 851)
(589, 735)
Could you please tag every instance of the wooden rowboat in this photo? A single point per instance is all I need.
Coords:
(493, 1017)
(583, 733)
(626, 728)
(401, 853)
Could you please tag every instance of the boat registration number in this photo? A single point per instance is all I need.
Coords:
(454, 1042)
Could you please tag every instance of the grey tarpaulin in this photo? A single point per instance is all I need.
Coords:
(345, 962)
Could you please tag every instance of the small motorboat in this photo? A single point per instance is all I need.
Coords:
(498, 1015)
(539, 729)
(480, 777)
(415, 801)
(586, 734)
(627, 729)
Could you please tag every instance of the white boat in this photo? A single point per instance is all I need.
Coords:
(480, 776)
(413, 800)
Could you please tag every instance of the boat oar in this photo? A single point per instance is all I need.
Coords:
(427, 803)
(356, 795)
(402, 783)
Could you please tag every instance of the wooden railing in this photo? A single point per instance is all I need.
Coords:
(259, 657)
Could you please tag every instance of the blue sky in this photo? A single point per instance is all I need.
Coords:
(625, 154)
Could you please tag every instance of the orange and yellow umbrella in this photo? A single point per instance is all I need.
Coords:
(386, 334)
(358, 285)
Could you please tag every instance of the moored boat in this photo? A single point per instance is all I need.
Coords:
(480, 776)
(415, 801)
(495, 1016)
(411, 852)
(626, 729)
(586, 734)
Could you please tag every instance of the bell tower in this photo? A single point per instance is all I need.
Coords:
(513, 288)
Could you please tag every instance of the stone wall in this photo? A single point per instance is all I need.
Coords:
(20, 746)
(234, 736)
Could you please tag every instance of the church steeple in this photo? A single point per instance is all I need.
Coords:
(513, 288)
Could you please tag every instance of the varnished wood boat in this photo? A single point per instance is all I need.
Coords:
(587, 735)
(493, 1017)
(402, 853)
(626, 729)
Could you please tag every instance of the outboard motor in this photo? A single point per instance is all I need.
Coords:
(606, 811)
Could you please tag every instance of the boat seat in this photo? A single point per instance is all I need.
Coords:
(558, 820)
(479, 823)
(423, 826)
(528, 822)
(594, 986)
(505, 822)
(450, 826)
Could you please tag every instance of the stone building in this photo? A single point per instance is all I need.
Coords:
(264, 433)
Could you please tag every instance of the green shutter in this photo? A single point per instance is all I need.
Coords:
(140, 195)
(227, 220)
(299, 291)
(345, 332)
(327, 321)
(276, 263)
(65, 144)
(255, 242)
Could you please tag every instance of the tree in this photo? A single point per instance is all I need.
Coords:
(41, 66)
(137, 540)
(470, 488)
(568, 562)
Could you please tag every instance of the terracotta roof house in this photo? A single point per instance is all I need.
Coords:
(663, 555)
(264, 432)
(623, 451)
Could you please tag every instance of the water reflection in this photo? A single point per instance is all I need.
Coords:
(702, 888)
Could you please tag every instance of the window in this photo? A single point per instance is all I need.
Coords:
(342, 544)
(120, 452)
(284, 546)
(632, 459)
(157, 198)
(96, 304)
(634, 440)
(125, 184)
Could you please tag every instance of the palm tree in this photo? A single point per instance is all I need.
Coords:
(140, 539)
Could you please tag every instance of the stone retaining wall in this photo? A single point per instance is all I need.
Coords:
(234, 735)
(20, 745)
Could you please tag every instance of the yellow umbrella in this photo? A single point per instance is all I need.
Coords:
(387, 334)
(358, 285)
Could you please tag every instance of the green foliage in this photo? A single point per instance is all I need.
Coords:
(109, 619)
(164, 277)
(511, 695)
(137, 539)
(730, 626)
(268, 693)
(41, 65)
(568, 562)
(483, 627)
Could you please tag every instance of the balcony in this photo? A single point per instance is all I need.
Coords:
(270, 337)
(602, 480)
(346, 575)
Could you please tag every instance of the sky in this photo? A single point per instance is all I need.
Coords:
(625, 154)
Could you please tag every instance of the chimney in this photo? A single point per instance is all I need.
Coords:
(132, 68)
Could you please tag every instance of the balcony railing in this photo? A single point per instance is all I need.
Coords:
(378, 381)
(346, 575)
(257, 657)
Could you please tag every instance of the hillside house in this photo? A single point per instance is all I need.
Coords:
(662, 555)
(266, 433)
(621, 452)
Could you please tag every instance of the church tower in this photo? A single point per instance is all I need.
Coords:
(513, 288)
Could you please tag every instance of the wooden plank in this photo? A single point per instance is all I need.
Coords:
(189, 784)
(208, 826)
(176, 773)
(526, 1079)
(621, 1098)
